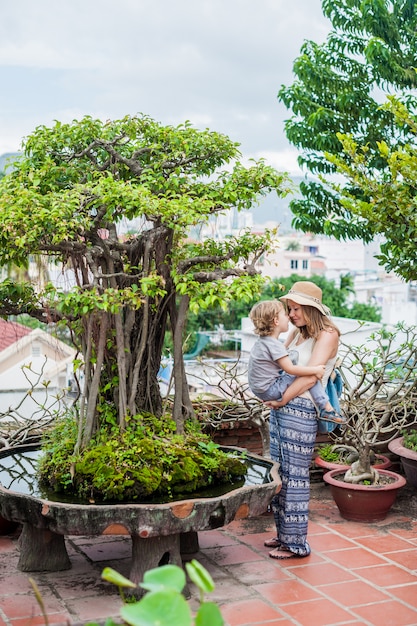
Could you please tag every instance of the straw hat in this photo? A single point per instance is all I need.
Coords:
(307, 293)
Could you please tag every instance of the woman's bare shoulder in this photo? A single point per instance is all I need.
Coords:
(329, 335)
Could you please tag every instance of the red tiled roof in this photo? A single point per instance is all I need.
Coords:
(10, 332)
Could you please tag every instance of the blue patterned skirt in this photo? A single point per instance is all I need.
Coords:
(293, 430)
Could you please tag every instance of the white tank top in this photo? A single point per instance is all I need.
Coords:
(305, 349)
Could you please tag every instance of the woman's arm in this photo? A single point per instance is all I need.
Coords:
(325, 348)
(288, 366)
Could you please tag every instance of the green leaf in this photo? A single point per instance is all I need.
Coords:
(209, 615)
(169, 577)
(111, 576)
(158, 608)
(200, 576)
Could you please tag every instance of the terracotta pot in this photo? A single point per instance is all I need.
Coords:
(408, 460)
(383, 462)
(364, 503)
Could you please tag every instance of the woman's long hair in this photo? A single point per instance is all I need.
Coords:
(315, 323)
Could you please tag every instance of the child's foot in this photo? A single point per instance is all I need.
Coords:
(332, 416)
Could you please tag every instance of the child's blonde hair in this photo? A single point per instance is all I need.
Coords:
(263, 314)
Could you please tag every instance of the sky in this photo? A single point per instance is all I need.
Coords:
(217, 63)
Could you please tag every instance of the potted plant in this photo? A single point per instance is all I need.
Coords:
(379, 397)
(340, 456)
(406, 448)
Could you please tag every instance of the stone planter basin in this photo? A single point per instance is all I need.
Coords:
(157, 530)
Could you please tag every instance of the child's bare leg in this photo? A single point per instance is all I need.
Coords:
(299, 386)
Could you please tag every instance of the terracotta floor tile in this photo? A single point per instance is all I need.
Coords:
(95, 607)
(312, 559)
(406, 593)
(406, 558)
(232, 554)
(315, 528)
(87, 586)
(248, 612)
(275, 622)
(214, 538)
(258, 572)
(387, 575)
(384, 543)
(54, 619)
(20, 582)
(287, 591)
(406, 533)
(390, 612)
(26, 605)
(229, 589)
(351, 530)
(216, 571)
(329, 541)
(257, 540)
(321, 612)
(354, 593)
(354, 558)
(322, 574)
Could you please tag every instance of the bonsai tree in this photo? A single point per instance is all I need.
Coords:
(379, 394)
(118, 209)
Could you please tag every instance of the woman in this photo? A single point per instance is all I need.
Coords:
(293, 422)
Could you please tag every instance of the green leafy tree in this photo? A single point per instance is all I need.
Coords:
(339, 86)
(68, 196)
(388, 200)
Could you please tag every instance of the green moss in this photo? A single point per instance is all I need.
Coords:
(146, 461)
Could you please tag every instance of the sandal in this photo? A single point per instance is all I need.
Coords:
(272, 543)
(332, 416)
(282, 554)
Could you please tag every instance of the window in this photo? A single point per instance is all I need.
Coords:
(294, 264)
(305, 264)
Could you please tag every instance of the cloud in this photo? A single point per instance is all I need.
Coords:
(217, 63)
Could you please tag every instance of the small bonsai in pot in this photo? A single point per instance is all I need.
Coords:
(410, 440)
(378, 399)
(341, 456)
(379, 394)
(406, 448)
